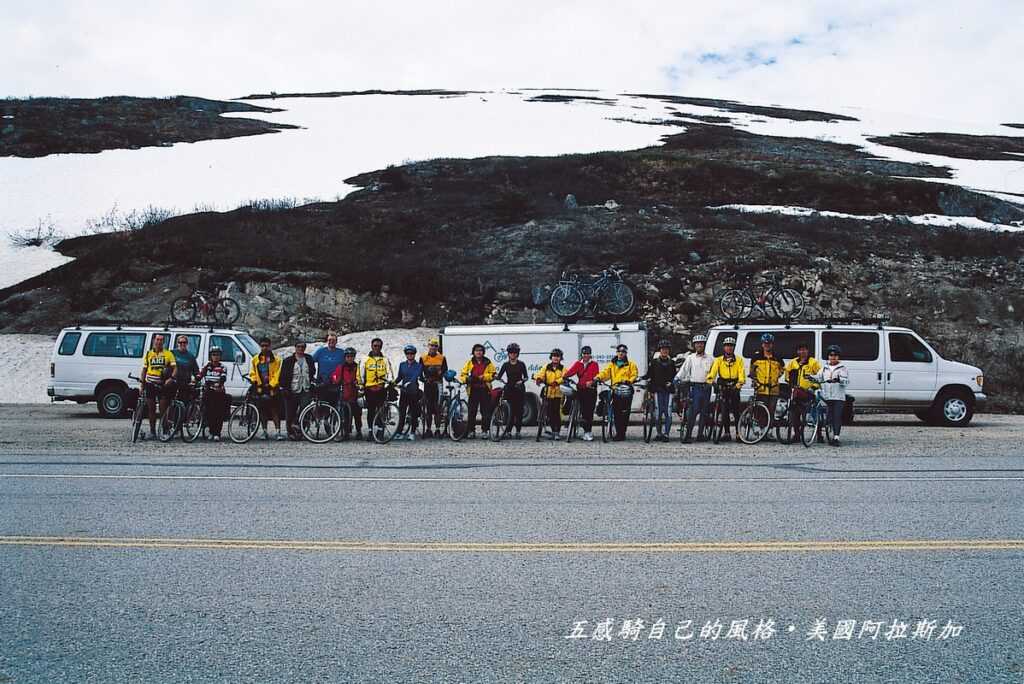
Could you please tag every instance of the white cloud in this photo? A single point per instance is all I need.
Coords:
(903, 56)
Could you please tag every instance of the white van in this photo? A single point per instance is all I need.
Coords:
(92, 363)
(891, 369)
(536, 342)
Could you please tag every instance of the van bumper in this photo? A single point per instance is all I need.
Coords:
(980, 401)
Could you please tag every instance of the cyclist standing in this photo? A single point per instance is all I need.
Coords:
(266, 376)
(434, 368)
(660, 373)
(410, 374)
(694, 371)
(375, 375)
(297, 377)
(800, 374)
(586, 370)
(478, 373)
(327, 360)
(157, 367)
(213, 376)
(185, 366)
(765, 370)
(620, 371)
(729, 368)
(514, 372)
(550, 378)
(834, 377)
(346, 377)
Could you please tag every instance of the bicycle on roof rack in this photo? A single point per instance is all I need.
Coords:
(203, 306)
(773, 301)
(604, 293)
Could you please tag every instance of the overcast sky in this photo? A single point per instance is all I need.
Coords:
(953, 58)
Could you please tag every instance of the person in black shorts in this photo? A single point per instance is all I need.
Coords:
(514, 373)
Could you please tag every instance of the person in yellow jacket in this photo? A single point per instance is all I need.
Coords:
(728, 368)
(374, 376)
(799, 372)
(550, 378)
(477, 375)
(265, 374)
(765, 371)
(620, 371)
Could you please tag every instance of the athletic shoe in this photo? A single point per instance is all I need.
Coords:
(519, 433)
(487, 434)
(280, 437)
(412, 437)
(216, 438)
(587, 437)
(265, 435)
(835, 441)
(556, 436)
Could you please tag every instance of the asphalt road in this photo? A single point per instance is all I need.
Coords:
(475, 562)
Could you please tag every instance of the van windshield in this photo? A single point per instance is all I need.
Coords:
(249, 343)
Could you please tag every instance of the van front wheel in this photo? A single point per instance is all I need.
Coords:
(953, 408)
(112, 400)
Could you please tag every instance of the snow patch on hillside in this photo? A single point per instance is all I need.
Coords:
(21, 263)
(25, 367)
(920, 220)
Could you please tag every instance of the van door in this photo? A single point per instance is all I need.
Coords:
(861, 353)
(911, 371)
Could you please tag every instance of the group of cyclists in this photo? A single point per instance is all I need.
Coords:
(285, 386)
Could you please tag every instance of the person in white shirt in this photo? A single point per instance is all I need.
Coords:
(834, 377)
(694, 371)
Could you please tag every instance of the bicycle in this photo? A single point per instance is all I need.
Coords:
(755, 421)
(244, 422)
(542, 414)
(140, 409)
(609, 431)
(501, 416)
(573, 423)
(222, 310)
(176, 413)
(720, 413)
(783, 424)
(454, 409)
(195, 415)
(815, 417)
(649, 410)
(320, 421)
(701, 422)
(604, 293)
(773, 301)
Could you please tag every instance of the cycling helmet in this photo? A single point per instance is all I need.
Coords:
(216, 350)
(699, 338)
(350, 351)
(767, 337)
(834, 349)
(434, 341)
(479, 346)
(664, 344)
(585, 349)
(449, 375)
(409, 349)
(556, 352)
(622, 347)
(512, 348)
(728, 341)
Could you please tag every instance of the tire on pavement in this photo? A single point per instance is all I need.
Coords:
(112, 399)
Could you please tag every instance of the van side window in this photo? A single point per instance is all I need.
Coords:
(906, 347)
(69, 344)
(228, 348)
(785, 342)
(855, 346)
(115, 345)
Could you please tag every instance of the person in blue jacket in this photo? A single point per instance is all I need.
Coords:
(327, 359)
(410, 375)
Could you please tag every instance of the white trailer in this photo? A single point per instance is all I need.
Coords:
(537, 341)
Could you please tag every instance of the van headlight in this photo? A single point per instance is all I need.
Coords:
(980, 380)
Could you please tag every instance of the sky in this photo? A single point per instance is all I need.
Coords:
(953, 59)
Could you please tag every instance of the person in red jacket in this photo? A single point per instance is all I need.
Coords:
(586, 370)
(346, 376)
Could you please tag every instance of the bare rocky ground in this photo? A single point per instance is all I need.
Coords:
(76, 431)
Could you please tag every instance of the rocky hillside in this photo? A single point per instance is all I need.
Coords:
(465, 241)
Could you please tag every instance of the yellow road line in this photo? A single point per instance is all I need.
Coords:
(522, 547)
(520, 480)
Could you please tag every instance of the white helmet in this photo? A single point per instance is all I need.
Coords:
(699, 338)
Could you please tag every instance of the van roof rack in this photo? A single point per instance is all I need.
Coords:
(828, 322)
(166, 325)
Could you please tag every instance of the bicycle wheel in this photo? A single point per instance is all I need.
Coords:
(718, 418)
(319, 422)
(500, 419)
(385, 423)
(171, 421)
(194, 422)
(542, 416)
(649, 419)
(244, 422)
(755, 421)
(136, 428)
(458, 420)
(226, 311)
(574, 421)
(618, 299)
(783, 425)
(344, 420)
(566, 301)
(787, 303)
(183, 310)
(809, 426)
(735, 304)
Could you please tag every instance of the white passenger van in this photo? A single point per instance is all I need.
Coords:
(92, 363)
(891, 368)
(536, 342)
